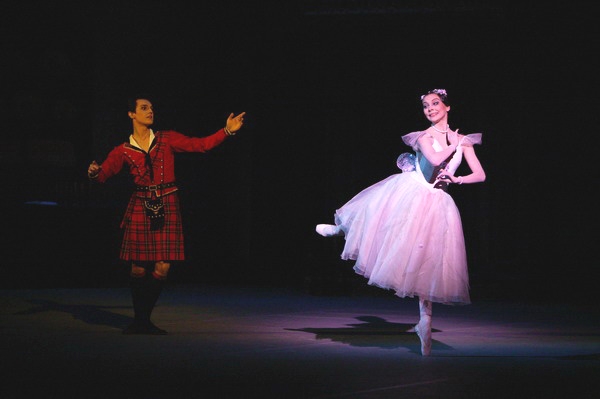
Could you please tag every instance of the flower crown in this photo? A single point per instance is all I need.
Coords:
(440, 92)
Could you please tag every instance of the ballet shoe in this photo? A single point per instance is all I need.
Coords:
(132, 329)
(328, 230)
(423, 330)
(151, 329)
(147, 328)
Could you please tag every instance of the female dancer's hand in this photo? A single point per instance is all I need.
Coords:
(447, 177)
(94, 169)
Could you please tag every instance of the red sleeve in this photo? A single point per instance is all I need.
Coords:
(112, 165)
(181, 143)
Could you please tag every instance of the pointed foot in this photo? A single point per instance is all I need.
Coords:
(328, 230)
(423, 330)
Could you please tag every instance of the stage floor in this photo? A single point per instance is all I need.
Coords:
(228, 342)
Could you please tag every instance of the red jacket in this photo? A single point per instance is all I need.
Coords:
(161, 152)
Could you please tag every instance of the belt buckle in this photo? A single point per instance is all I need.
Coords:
(153, 187)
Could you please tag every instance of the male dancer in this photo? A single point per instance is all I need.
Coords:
(153, 236)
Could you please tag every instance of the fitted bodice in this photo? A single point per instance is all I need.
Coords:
(426, 169)
(423, 168)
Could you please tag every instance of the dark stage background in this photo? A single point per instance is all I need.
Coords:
(329, 88)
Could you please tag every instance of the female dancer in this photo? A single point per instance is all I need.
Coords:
(405, 232)
(153, 235)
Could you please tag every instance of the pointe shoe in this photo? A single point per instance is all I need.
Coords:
(328, 230)
(423, 330)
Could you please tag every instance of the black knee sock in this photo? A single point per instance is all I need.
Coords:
(137, 284)
(152, 290)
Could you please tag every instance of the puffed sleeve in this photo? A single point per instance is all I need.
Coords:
(112, 165)
(182, 143)
(470, 139)
(411, 139)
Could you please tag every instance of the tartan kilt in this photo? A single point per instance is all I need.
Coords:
(142, 244)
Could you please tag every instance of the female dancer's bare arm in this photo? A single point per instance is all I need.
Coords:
(477, 173)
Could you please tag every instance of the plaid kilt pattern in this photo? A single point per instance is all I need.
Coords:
(142, 244)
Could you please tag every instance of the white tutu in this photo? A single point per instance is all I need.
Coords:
(407, 236)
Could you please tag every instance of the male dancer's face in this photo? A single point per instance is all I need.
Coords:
(144, 113)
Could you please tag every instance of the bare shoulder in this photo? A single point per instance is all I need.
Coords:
(425, 138)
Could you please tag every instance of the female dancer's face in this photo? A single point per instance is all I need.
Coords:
(434, 109)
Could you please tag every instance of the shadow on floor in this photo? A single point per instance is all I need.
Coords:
(374, 332)
(90, 314)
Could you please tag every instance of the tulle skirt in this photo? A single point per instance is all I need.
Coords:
(407, 236)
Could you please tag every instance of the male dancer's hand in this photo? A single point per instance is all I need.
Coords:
(94, 169)
(235, 123)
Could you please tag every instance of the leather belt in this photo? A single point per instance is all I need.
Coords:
(154, 187)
